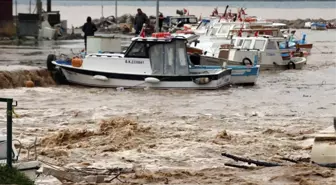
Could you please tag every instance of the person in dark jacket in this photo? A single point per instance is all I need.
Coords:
(161, 18)
(140, 19)
(89, 29)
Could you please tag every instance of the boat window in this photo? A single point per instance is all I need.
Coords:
(247, 44)
(236, 26)
(138, 50)
(201, 25)
(169, 58)
(156, 59)
(224, 29)
(259, 44)
(213, 31)
(192, 20)
(233, 41)
(271, 45)
(182, 67)
(240, 42)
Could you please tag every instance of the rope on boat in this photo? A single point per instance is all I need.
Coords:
(14, 113)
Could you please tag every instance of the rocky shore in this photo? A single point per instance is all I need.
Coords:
(299, 23)
(108, 25)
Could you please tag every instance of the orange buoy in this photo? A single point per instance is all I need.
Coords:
(29, 83)
(76, 62)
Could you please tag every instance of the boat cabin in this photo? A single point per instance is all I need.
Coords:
(246, 48)
(229, 29)
(222, 29)
(182, 20)
(164, 56)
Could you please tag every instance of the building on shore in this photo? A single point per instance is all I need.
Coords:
(6, 18)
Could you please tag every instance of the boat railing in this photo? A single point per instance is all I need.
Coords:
(105, 55)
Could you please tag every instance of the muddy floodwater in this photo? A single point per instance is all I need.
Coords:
(177, 136)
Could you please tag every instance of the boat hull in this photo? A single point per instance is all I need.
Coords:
(112, 80)
(298, 64)
(318, 28)
(239, 75)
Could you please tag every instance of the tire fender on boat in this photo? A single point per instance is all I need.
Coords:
(100, 77)
(59, 77)
(50, 65)
(202, 80)
(248, 60)
(152, 80)
(291, 65)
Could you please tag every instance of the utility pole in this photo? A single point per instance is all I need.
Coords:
(39, 7)
(157, 16)
(29, 6)
(116, 10)
(48, 5)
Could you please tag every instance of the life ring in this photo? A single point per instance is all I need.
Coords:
(248, 60)
(50, 65)
(291, 65)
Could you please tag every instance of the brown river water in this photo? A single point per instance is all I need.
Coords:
(177, 136)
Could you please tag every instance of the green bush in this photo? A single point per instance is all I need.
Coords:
(13, 176)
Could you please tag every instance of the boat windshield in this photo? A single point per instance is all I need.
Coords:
(224, 30)
(213, 30)
(259, 44)
(138, 50)
(202, 25)
(169, 58)
(184, 20)
(247, 44)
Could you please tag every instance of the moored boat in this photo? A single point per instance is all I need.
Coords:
(318, 26)
(266, 49)
(243, 51)
(148, 62)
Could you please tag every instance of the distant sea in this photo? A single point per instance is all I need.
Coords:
(75, 11)
(242, 3)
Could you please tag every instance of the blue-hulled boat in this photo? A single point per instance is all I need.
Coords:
(240, 74)
(318, 26)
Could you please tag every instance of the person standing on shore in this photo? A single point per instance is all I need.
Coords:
(140, 19)
(89, 29)
(161, 18)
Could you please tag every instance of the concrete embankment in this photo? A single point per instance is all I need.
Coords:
(22, 76)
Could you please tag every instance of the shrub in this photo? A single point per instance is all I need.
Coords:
(13, 176)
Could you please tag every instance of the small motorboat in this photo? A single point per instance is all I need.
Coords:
(154, 62)
(240, 75)
(318, 26)
(244, 50)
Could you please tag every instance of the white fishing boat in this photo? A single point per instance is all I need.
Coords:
(241, 74)
(244, 49)
(148, 62)
(218, 30)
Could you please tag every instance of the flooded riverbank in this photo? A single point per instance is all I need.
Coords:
(177, 136)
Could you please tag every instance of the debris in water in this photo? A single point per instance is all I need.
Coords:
(112, 135)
